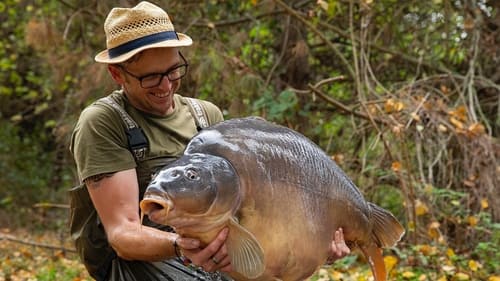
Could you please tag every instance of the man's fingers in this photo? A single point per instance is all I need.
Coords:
(339, 236)
(212, 257)
(215, 245)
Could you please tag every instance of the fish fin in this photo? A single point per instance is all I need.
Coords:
(387, 231)
(374, 256)
(247, 256)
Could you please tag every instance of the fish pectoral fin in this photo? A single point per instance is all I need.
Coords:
(374, 256)
(247, 256)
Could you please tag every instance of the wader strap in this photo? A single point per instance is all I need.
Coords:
(137, 141)
(198, 113)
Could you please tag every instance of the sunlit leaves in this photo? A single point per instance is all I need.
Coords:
(390, 262)
(484, 203)
(392, 106)
(472, 220)
(329, 6)
(420, 208)
(474, 265)
(433, 230)
(396, 166)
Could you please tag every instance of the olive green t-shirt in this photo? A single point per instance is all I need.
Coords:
(99, 142)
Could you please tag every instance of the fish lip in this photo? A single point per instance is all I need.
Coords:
(156, 203)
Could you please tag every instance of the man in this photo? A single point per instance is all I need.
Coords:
(143, 57)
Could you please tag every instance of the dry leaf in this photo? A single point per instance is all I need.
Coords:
(461, 276)
(484, 203)
(450, 253)
(390, 261)
(427, 250)
(459, 113)
(444, 89)
(469, 183)
(442, 128)
(338, 158)
(420, 208)
(433, 230)
(476, 129)
(474, 265)
(415, 116)
(459, 125)
(408, 274)
(322, 4)
(396, 166)
(392, 105)
(448, 268)
(472, 220)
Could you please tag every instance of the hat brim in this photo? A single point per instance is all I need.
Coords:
(184, 40)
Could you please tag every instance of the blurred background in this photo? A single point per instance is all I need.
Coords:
(404, 95)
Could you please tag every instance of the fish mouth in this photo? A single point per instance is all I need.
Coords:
(156, 207)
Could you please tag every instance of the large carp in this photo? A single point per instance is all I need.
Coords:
(280, 195)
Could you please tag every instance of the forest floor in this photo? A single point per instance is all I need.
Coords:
(49, 255)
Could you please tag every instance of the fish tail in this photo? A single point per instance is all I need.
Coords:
(387, 231)
(374, 256)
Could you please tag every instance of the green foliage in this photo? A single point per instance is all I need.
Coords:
(488, 250)
(280, 108)
(58, 271)
(24, 167)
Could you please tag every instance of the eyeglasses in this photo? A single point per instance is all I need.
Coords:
(153, 80)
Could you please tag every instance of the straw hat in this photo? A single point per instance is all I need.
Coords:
(131, 30)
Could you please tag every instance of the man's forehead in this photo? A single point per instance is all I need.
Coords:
(158, 57)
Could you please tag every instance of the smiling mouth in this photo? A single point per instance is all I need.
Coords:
(161, 95)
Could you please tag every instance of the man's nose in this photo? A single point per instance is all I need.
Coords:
(165, 84)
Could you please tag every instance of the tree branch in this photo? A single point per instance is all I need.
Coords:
(34, 244)
(296, 15)
(314, 89)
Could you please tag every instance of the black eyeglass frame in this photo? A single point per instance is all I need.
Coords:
(162, 75)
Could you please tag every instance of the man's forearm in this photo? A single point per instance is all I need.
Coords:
(135, 242)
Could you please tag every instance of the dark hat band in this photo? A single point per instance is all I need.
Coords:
(140, 42)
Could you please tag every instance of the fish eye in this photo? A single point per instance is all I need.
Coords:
(191, 174)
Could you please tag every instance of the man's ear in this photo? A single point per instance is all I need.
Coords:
(116, 74)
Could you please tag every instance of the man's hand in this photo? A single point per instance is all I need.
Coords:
(339, 248)
(213, 257)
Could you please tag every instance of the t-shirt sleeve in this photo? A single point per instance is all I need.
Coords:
(99, 143)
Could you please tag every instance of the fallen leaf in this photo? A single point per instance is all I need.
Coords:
(484, 203)
(474, 265)
(472, 220)
(390, 261)
(392, 105)
(442, 128)
(461, 276)
(450, 253)
(408, 274)
(420, 208)
(433, 230)
(476, 129)
(460, 113)
(448, 268)
(396, 166)
(427, 250)
(459, 125)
